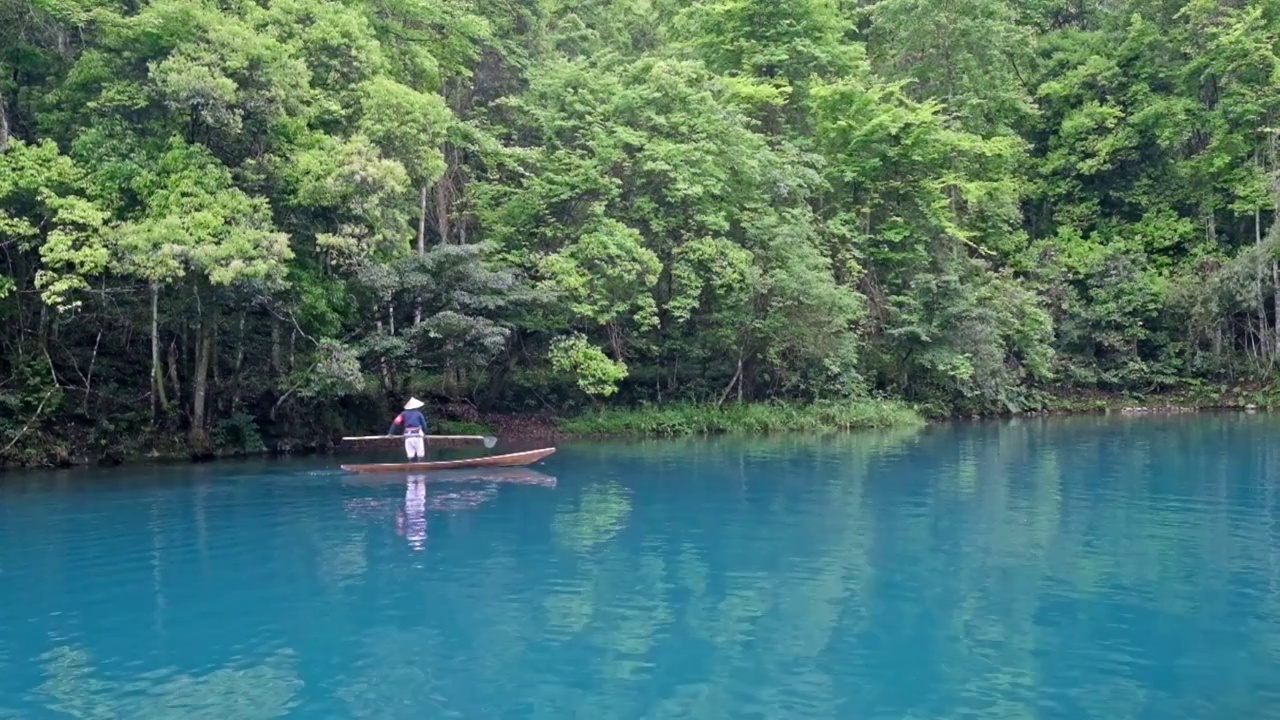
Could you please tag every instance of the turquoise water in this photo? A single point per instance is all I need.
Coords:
(1084, 568)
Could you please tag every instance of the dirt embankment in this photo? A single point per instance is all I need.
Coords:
(524, 427)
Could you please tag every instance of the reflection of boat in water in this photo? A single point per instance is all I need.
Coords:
(455, 499)
(505, 476)
(528, 457)
(450, 491)
(416, 500)
(411, 520)
(513, 476)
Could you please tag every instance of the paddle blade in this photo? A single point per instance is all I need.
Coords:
(490, 441)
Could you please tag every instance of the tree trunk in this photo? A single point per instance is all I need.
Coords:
(382, 364)
(442, 210)
(422, 220)
(42, 329)
(88, 379)
(1264, 343)
(1275, 300)
(422, 241)
(735, 380)
(1274, 186)
(276, 365)
(4, 124)
(204, 352)
(175, 385)
(742, 379)
(235, 376)
(460, 192)
(157, 376)
(615, 341)
(1250, 337)
(213, 357)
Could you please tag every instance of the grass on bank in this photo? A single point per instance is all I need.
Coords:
(753, 418)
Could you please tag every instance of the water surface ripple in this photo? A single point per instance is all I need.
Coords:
(1082, 568)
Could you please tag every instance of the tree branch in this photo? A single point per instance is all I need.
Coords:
(32, 419)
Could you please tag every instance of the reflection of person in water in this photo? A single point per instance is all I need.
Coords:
(411, 517)
(412, 520)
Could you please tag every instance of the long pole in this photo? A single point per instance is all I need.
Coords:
(488, 440)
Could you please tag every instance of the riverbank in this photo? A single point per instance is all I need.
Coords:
(670, 420)
(757, 418)
(243, 438)
(1187, 400)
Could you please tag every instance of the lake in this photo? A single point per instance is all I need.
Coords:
(1075, 568)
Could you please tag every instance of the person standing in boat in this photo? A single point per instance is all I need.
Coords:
(415, 429)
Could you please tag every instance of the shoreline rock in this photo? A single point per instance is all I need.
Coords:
(1159, 410)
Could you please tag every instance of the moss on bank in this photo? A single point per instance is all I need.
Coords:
(693, 419)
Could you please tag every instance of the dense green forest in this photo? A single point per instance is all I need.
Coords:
(230, 221)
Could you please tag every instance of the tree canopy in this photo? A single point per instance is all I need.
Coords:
(238, 218)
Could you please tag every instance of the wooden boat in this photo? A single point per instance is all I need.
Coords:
(528, 457)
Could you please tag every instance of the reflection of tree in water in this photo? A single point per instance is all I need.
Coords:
(773, 616)
(1016, 566)
(779, 620)
(985, 571)
(392, 678)
(600, 513)
(343, 560)
(262, 691)
(1087, 541)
